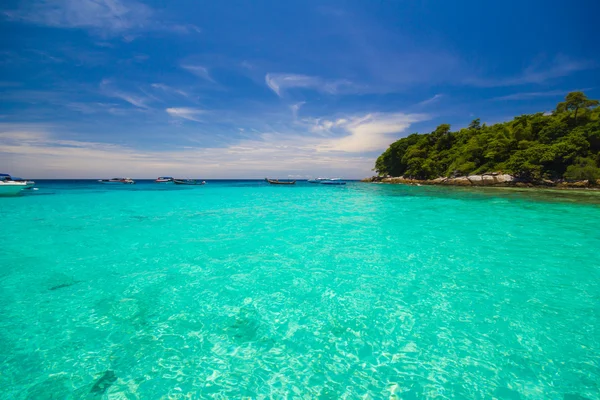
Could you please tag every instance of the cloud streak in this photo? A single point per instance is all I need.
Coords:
(368, 133)
(101, 17)
(436, 98)
(169, 89)
(199, 71)
(536, 73)
(185, 113)
(534, 95)
(279, 83)
(135, 100)
(341, 147)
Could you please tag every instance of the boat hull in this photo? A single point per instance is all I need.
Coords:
(11, 189)
(276, 182)
(116, 183)
(190, 183)
(332, 183)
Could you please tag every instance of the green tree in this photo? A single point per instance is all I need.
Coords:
(475, 124)
(576, 101)
(532, 146)
(583, 169)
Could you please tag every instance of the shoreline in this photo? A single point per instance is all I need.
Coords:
(487, 180)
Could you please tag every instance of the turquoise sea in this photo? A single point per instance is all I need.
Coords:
(238, 289)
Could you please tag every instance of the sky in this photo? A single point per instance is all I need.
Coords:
(249, 89)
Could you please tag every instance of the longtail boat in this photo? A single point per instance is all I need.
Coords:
(188, 182)
(278, 182)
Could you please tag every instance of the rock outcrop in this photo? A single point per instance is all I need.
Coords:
(487, 179)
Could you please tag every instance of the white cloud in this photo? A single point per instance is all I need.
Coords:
(107, 88)
(101, 17)
(93, 107)
(372, 132)
(109, 16)
(343, 148)
(185, 28)
(533, 95)
(295, 108)
(536, 73)
(280, 82)
(200, 71)
(169, 89)
(431, 100)
(186, 113)
(247, 65)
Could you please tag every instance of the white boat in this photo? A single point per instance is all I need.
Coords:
(164, 179)
(30, 184)
(117, 181)
(335, 181)
(316, 180)
(11, 187)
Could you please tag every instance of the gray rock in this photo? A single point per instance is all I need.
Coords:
(504, 178)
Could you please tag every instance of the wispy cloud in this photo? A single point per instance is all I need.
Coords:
(103, 18)
(186, 113)
(534, 95)
(185, 28)
(342, 146)
(169, 89)
(199, 70)
(295, 108)
(246, 64)
(94, 107)
(371, 132)
(107, 88)
(108, 16)
(536, 73)
(431, 100)
(280, 82)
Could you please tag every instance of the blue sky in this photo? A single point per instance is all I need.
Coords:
(239, 89)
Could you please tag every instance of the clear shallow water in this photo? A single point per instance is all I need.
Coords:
(239, 289)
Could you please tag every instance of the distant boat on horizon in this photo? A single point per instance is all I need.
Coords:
(188, 182)
(316, 180)
(164, 179)
(278, 182)
(334, 181)
(117, 181)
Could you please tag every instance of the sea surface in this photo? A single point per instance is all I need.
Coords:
(238, 289)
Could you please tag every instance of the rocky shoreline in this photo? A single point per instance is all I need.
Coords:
(489, 179)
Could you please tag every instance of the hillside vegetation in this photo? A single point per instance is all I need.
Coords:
(562, 145)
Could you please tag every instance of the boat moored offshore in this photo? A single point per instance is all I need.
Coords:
(188, 182)
(164, 179)
(278, 182)
(10, 186)
(335, 181)
(117, 181)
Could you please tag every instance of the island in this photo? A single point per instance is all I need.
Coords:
(559, 149)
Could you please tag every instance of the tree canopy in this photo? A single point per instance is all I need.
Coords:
(562, 145)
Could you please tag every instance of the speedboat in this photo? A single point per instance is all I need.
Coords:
(117, 181)
(30, 184)
(164, 179)
(10, 187)
(188, 182)
(317, 180)
(335, 181)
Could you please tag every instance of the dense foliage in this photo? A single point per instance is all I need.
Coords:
(562, 145)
